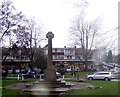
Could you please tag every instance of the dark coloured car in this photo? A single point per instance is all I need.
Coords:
(39, 73)
(4, 73)
(29, 75)
(10, 71)
(23, 71)
(17, 71)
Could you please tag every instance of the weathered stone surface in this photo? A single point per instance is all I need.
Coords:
(50, 73)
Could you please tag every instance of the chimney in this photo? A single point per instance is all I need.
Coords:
(64, 46)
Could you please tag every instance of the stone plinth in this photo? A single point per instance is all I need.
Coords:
(50, 75)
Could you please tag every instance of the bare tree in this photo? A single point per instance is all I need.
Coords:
(84, 34)
(30, 35)
(11, 22)
(9, 18)
(35, 32)
(26, 31)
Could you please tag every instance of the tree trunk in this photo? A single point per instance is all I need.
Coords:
(86, 65)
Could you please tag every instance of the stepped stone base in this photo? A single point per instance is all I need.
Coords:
(46, 88)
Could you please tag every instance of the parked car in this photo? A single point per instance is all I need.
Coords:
(23, 71)
(58, 75)
(10, 71)
(17, 71)
(39, 73)
(29, 75)
(4, 73)
(101, 75)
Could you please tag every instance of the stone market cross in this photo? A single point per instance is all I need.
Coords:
(50, 73)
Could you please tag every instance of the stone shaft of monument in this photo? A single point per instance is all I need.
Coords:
(50, 74)
(50, 59)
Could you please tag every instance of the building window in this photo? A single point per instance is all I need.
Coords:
(67, 57)
(60, 57)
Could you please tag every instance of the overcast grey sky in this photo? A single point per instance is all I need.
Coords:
(57, 15)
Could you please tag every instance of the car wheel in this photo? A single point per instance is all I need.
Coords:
(106, 79)
(90, 78)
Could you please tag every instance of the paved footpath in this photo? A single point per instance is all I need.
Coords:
(77, 85)
(16, 86)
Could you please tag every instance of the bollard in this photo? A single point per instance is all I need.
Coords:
(63, 76)
(40, 77)
(77, 77)
(18, 77)
(34, 76)
(22, 77)
(73, 75)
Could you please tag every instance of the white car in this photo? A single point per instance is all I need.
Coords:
(101, 75)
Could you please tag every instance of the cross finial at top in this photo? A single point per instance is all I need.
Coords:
(49, 35)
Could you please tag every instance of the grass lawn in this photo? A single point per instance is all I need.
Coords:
(108, 88)
(5, 83)
(81, 74)
(10, 92)
(11, 75)
(9, 81)
(68, 75)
